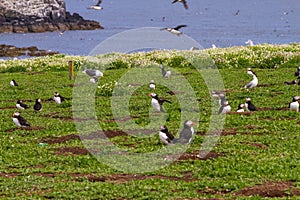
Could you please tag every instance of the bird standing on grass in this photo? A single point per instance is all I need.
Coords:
(152, 85)
(297, 73)
(21, 105)
(175, 30)
(37, 106)
(95, 74)
(157, 102)
(19, 120)
(254, 81)
(13, 83)
(164, 135)
(97, 6)
(57, 98)
(186, 135)
(249, 105)
(294, 105)
(240, 108)
(183, 2)
(225, 108)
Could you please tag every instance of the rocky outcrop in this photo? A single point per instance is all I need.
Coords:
(22, 16)
(12, 51)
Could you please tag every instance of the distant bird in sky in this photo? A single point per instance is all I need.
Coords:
(183, 2)
(254, 81)
(249, 42)
(37, 106)
(249, 105)
(175, 30)
(97, 6)
(57, 98)
(157, 102)
(294, 105)
(19, 120)
(21, 105)
(237, 12)
(152, 85)
(13, 83)
(164, 135)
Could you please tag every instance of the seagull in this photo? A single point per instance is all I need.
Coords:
(175, 30)
(182, 1)
(237, 12)
(21, 105)
(186, 135)
(157, 102)
(19, 120)
(297, 73)
(57, 98)
(240, 108)
(163, 71)
(225, 108)
(37, 106)
(249, 106)
(152, 85)
(254, 81)
(95, 73)
(165, 136)
(213, 46)
(249, 42)
(294, 105)
(97, 6)
(13, 83)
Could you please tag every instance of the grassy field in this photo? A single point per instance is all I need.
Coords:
(256, 156)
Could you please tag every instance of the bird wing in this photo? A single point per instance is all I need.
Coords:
(185, 4)
(99, 2)
(185, 134)
(23, 122)
(169, 135)
(249, 85)
(161, 101)
(179, 27)
(163, 71)
(221, 109)
(37, 106)
(174, 1)
(90, 72)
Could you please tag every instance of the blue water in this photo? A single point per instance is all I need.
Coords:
(209, 22)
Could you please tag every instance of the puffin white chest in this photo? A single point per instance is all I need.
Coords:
(16, 121)
(155, 104)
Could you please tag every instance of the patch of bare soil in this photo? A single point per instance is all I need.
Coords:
(202, 155)
(261, 146)
(228, 131)
(267, 85)
(7, 107)
(62, 139)
(213, 192)
(116, 133)
(271, 189)
(72, 150)
(240, 113)
(9, 175)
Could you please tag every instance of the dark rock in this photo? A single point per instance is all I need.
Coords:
(12, 51)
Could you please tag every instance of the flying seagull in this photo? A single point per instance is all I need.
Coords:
(97, 6)
(182, 1)
(175, 30)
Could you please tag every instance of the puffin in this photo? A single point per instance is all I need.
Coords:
(186, 135)
(183, 2)
(13, 83)
(294, 105)
(225, 108)
(254, 81)
(152, 85)
(37, 106)
(241, 108)
(175, 30)
(157, 102)
(21, 105)
(249, 106)
(219, 95)
(164, 135)
(97, 6)
(297, 73)
(57, 98)
(294, 82)
(94, 73)
(19, 120)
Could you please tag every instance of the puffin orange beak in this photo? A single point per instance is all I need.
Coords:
(149, 95)
(193, 124)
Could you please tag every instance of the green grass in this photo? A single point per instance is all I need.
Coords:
(264, 146)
